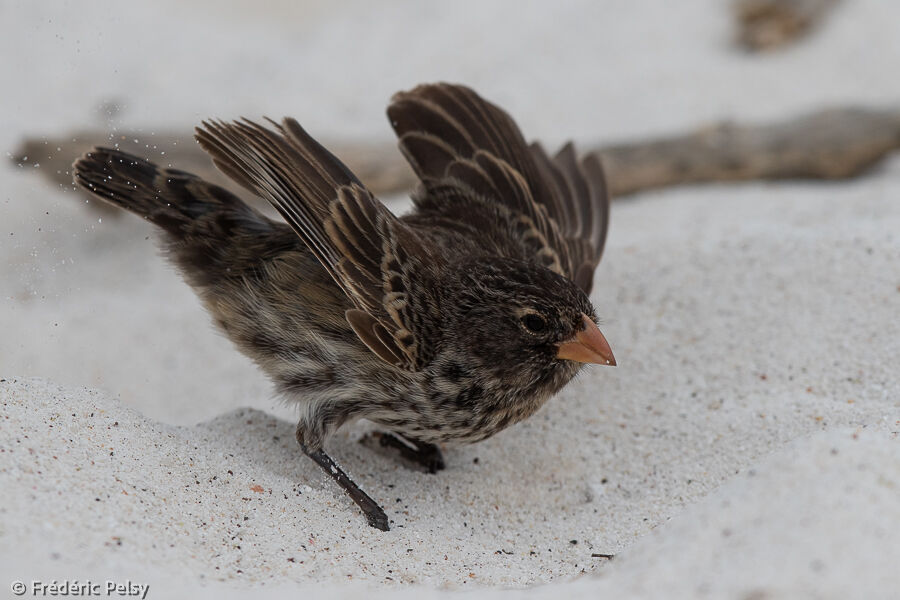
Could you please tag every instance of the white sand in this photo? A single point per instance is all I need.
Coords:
(745, 447)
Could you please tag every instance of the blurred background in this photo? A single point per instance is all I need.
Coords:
(83, 295)
(578, 69)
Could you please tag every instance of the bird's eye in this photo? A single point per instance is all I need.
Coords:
(534, 323)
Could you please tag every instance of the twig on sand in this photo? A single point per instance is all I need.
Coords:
(771, 24)
(828, 144)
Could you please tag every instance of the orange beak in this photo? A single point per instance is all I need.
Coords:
(587, 346)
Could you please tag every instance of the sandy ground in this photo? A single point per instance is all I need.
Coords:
(745, 447)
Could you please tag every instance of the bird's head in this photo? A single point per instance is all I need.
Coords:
(527, 324)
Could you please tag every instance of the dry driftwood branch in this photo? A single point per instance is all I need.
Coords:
(828, 144)
(770, 24)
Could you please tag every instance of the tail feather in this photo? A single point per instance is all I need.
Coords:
(179, 202)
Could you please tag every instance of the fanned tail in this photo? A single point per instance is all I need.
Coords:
(179, 202)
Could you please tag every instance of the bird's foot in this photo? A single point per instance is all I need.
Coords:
(373, 513)
(423, 454)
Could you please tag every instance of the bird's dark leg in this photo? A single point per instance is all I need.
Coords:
(374, 514)
(421, 453)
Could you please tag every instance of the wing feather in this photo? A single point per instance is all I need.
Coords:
(375, 258)
(452, 137)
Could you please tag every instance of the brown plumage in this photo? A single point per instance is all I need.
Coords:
(447, 324)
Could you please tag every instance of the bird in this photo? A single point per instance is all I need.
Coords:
(443, 325)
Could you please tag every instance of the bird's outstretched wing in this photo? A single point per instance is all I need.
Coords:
(379, 262)
(456, 140)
